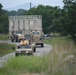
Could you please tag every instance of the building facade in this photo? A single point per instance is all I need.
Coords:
(25, 23)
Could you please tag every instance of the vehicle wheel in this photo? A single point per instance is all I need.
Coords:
(12, 40)
(16, 40)
(34, 49)
(16, 54)
(42, 45)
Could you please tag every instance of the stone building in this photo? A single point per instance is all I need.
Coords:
(25, 23)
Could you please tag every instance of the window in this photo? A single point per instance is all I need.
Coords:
(35, 33)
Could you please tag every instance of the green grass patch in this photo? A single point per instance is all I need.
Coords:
(60, 63)
(4, 37)
(58, 40)
(6, 48)
(62, 44)
(53, 64)
(25, 64)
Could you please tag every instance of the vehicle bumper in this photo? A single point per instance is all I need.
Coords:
(38, 43)
(24, 52)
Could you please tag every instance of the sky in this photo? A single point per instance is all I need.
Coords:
(14, 3)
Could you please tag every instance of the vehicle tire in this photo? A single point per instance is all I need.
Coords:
(34, 49)
(16, 40)
(12, 40)
(42, 45)
(16, 54)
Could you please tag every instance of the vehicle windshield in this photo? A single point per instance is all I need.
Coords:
(27, 37)
(35, 33)
(18, 32)
(23, 47)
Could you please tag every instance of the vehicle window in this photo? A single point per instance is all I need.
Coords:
(27, 46)
(18, 32)
(35, 33)
(23, 47)
(27, 36)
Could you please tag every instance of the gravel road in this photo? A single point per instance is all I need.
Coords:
(40, 51)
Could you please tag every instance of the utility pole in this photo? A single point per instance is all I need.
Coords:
(30, 5)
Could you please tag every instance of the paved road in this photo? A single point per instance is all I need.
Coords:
(42, 51)
(39, 52)
(5, 58)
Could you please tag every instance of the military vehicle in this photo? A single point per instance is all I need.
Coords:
(29, 38)
(24, 48)
(37, 38)
(24, 24)
(27, 24)
(17, 36)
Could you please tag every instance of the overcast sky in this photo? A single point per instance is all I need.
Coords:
(13, 3)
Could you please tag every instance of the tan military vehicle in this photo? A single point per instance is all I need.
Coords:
(17, 36)
(37, 38)
(24, 48)
(24, 25)
(29, 38)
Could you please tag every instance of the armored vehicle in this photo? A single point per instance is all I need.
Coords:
(37, 38)
(24, 25)
(24, 48)
(17, 36)
(27, 24)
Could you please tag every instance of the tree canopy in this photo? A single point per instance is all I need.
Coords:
(54, 19)
(3, 20)
(70, 17)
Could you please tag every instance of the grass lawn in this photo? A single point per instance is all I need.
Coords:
(6, 48)
(4, 37)
(25, 64)
(56, 63)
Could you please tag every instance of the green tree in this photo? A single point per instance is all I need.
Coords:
(70, 18)
(56, 22)
(3, 20)
(13, 13)
(21, 12)
(46, 12)
(1, 6)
